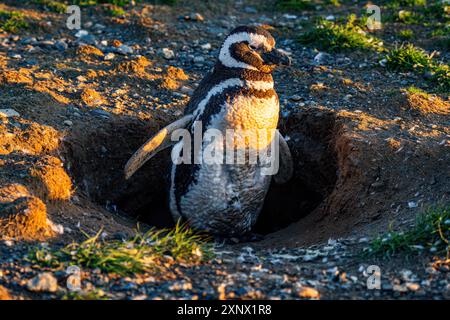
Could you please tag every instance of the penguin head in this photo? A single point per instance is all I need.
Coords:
(252, 47)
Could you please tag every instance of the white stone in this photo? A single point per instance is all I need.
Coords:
(167, 53)
(81, 33)
(8, 113)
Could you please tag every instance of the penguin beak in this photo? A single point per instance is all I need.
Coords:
(277, 57)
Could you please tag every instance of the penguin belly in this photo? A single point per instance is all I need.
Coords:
(225, 198)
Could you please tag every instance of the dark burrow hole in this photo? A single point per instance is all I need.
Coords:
(95, 159)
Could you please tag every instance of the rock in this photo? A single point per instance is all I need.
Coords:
(412, 204)
(412, 286)
(307, 292)
(15, 56)
(101, 113)
(9, 113)
(81, 33)
(88, 39)
(29, 40)
(382, 62)
(309, 257)
(330, 18)
(249, 9)
(400, 288)
(98, 26)
(429, 75)
(68, 123)
(124, 49)
(109, 56)
(44, 282)
(46, 43)
(288, 16)
(167, 53)
(180, 285)
(295, 98)
(61, 45)
(186, 90)
(199, 59)
(196, 17)
(323, 58)
(377, 185)
(206, 46)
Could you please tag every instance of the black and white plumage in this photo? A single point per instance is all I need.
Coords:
(226, 199)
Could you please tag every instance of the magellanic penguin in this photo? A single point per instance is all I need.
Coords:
(224, 198)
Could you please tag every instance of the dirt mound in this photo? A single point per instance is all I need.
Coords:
(22, 216)
(51, 180)
(91, 97)
(173, 78)
(424, 104)
(134, 66)
(87, 50)
(4, 294)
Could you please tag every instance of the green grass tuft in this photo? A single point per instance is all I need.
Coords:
(12, 21)
(144, 253)
(415, 90)
(334, 37)
(406, 34)
(410, 58)
(116, 11)
(81, 295)
(409, 17)
(295, 5)
(55, 6)
(120, 3)
(431, 231)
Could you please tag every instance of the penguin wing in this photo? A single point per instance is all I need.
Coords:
(286, 167)
(160, 141)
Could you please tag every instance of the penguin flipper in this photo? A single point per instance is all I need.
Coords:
(160, 141)
(286, 167)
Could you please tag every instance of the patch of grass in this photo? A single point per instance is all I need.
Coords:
(96, 294)
(415, 90)
(438, 10)
(410, 58)
(334, 37)
(406, 34)
(55, 6)
(12, 21)
(442, 43)
(295, 5)
(167, 2)
(409, 17)
(120, 3)
(406, 3)
(431, 231)
(116, 11)
(144, 253)
(420, 12)
(335, 3)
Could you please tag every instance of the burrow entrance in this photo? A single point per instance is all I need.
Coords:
(96, 154)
